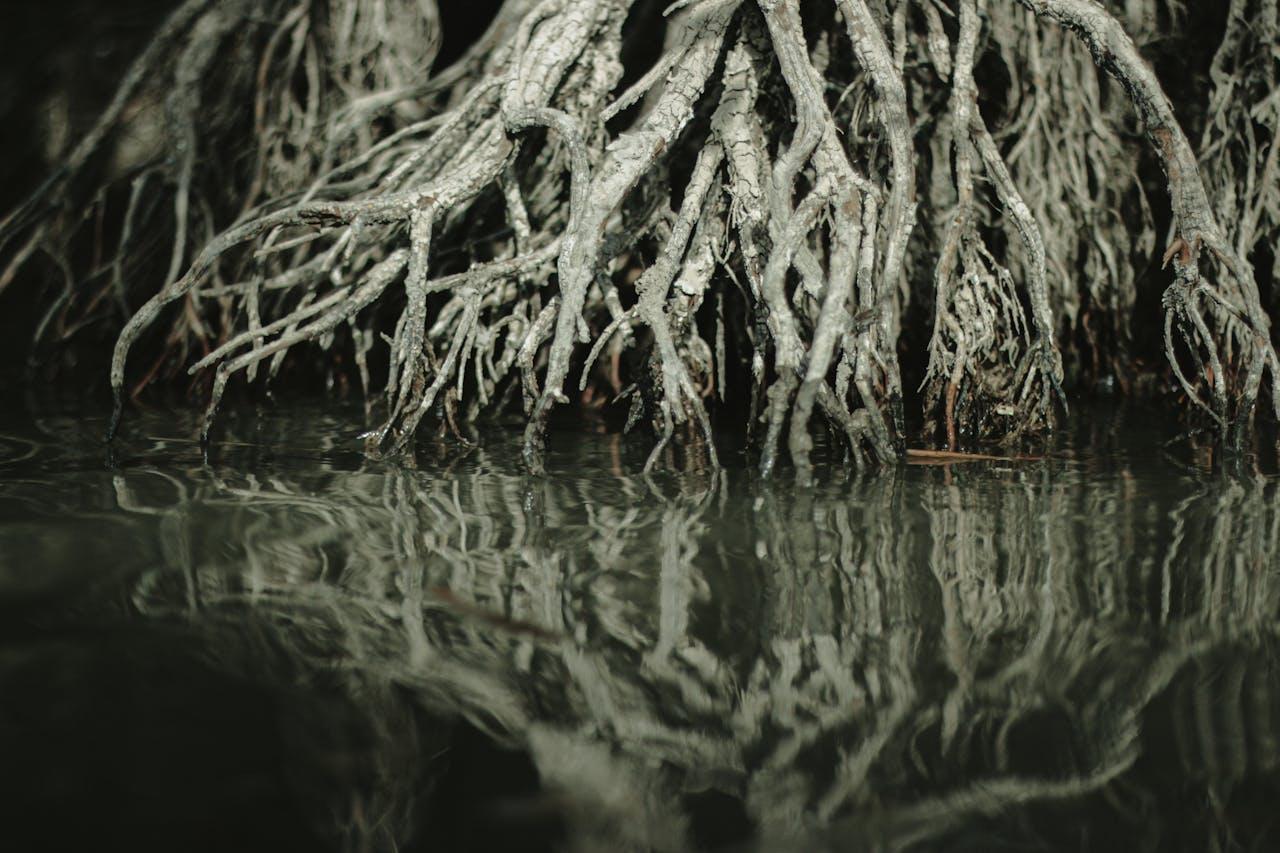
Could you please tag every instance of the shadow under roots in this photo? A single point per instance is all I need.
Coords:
(463, 24)
(643, 36)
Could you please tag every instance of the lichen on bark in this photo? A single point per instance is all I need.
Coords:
(760, 216)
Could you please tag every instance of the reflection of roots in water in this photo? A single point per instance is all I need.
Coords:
(821, 656)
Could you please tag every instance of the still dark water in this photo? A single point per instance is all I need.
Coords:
(284, 645)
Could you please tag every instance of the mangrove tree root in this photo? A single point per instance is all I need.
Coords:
(743, 206)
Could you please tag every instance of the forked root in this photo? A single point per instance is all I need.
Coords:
(752, 197)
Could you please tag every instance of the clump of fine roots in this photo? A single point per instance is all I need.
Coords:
(744, 217)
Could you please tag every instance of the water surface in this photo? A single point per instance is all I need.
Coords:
(281, 644)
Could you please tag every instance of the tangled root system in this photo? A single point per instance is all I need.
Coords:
(717, 201)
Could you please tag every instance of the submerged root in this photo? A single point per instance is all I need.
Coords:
(746, 206)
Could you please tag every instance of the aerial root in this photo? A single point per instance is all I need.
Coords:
(1195, 223)
(494, 221)
(981, 334)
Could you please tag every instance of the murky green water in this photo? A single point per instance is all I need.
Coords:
(287, 646)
